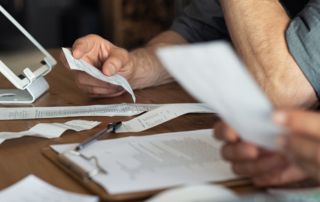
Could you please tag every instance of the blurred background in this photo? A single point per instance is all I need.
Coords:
(126, 23)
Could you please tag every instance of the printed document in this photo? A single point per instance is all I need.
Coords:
(81, 65)
(161, 115)
(33, 189)
(50, 130)
(214, 74)
(153, 162)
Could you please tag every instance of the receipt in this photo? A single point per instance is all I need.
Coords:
(81, 65)
(81, 111)
(161, 115)
(51, 130)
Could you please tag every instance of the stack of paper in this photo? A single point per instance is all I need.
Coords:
(144, 163)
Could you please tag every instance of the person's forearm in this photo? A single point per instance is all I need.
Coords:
(148, 69)
(257, 29)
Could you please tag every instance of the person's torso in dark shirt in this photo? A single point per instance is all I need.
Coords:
(203, 20)
(293, 7)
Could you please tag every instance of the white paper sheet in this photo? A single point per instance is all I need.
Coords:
(157, 161)
(50, 130)
(161, 115)
(80, 111)
(214, 74)
(33, 189)
(196, 193)
(81, 65)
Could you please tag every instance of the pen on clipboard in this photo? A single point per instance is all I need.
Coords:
(110, 129)
(75, 168)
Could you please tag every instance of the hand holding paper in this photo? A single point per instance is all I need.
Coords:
(81, 65)
(214, 74)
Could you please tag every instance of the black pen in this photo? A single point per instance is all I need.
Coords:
(110, 129)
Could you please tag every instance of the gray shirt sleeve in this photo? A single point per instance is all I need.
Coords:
(303, 38)
(202, 20)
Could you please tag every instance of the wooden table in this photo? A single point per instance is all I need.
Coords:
(21, 157)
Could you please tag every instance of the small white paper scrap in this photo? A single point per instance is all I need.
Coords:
(34, 189)
(215, 75)
(81, 65)
(51, 130)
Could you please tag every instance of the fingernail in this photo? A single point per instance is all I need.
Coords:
(120, 88)
(75, 54)
(281, 141)
(111, 69)
(280, 118)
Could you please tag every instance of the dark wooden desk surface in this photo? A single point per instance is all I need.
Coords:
(21, 157)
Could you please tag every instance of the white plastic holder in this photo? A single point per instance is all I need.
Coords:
(32, 91)
(27, 96)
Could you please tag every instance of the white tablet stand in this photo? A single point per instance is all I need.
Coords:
(29, 95)
(35, 88)
(33, 85)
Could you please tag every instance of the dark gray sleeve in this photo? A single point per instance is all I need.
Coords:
(202, 20)
(303, 38)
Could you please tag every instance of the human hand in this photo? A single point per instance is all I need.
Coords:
(105, 56)
(266, 168)
(302, 144)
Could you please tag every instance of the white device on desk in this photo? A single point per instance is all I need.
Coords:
(23, 61)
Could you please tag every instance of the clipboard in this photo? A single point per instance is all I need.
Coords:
(96, 189)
